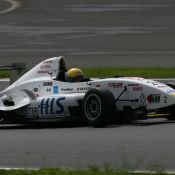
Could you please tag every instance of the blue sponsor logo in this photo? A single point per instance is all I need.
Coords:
(172, 91)
(52, 106)
(55, 89)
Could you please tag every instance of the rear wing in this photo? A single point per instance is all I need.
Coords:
(16, 70)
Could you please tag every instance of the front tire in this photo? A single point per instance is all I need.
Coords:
(98, 107)
(2, 116)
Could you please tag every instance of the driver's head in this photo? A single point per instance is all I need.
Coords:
(74, 75)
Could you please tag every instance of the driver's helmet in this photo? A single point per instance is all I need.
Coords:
(74, 75)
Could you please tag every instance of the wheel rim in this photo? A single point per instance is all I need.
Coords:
(92, 107)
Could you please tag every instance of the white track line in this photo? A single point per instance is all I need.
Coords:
(8, 169)
(153, 172)
(14, 5)
(5, 79)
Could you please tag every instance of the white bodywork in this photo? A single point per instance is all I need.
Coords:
(37, 95)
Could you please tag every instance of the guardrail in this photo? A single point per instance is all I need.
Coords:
(16, 70)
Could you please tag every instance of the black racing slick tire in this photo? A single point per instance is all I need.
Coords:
(2, 116)
(98, 107)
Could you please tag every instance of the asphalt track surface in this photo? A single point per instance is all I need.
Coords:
(89, 33)
(142, 145)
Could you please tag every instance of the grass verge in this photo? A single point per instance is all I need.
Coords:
(112, 72)
(91, 171)
(138, 72)
(4, 74)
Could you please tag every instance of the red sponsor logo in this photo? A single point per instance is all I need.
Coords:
(137, 88)
(115, 85)
(98, 85)
(45, 67)
(153, 98)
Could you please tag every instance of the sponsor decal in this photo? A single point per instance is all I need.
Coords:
(136, 78)
(171, 91)
(142, 99)
(98, 85)
(165, 99)
(33, 112)
(45, 67)
(48, 62)
(42, 72)
(47, 83)
(133, 84)
(115, 85)
(55, 89)
(83, 88)
(48, 90)
(67, 89)
(162, 86)
(154, 83)
(35, 90)
(153, 98)
(52, 106)
(137, 88)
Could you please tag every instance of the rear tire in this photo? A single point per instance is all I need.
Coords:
(128, 115)
(98, 107)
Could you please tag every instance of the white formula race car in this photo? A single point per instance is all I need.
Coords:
(43, 95)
